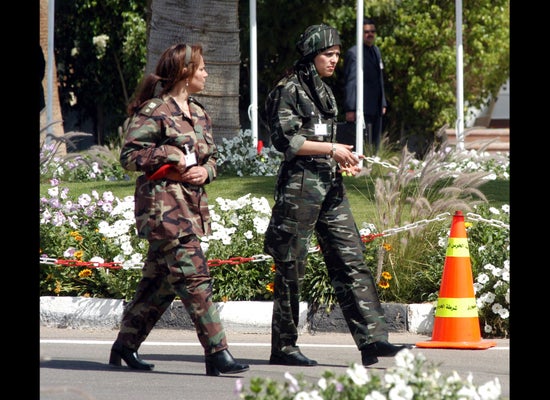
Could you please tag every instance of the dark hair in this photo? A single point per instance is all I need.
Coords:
(171, 69)
(368, 21)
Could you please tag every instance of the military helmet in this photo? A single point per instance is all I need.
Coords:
(316, 38)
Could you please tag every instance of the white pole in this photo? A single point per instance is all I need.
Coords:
(253, 108)
(359, 117)
(459, 79)
(49, 83)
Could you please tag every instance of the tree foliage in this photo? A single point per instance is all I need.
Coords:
(100, 54)
(419, 44)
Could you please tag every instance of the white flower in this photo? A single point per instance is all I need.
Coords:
(503, 313)
(108, 197)
(238, 386)
(506, 276)
(69, 253)
(358, 374)
(401, 391)
(84, 200)
(100, 42)
(490, 390)
(97, 259)
(482, 278)
(405, 359)
(375, 395)
(260, 224)
(293, 382)
(53, 192)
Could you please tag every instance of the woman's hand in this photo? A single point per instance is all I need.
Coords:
(350, 166)
(195, 175)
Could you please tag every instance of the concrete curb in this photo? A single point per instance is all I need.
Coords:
(237, 316)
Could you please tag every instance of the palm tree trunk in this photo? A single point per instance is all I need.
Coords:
(215, 25)
(57, 118)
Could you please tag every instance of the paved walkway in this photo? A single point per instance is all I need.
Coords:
(74, 364)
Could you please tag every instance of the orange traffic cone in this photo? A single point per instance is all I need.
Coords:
(456, 323)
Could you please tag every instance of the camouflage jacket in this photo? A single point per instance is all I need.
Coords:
(292, 115)
(157, 135)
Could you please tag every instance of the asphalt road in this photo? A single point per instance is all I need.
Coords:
(74, 364)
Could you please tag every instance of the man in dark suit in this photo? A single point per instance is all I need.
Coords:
(374, 98)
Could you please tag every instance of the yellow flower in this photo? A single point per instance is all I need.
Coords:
(225, 299)
(387, 246)
(384, 284)
(57, 289)
(78, 254)
(468, 224)
(386, 275)
(85, 273)
(269, 287)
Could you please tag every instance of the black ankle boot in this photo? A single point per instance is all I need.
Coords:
(223, 362)
(130, 357)
(371, 352)
(294, 358)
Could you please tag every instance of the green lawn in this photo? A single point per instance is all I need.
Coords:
(360, 191)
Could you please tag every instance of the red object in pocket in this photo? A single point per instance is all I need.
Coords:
(162, 172)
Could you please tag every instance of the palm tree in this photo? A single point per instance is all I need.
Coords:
(215, 25)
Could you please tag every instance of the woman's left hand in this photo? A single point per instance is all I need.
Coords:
(195, 175)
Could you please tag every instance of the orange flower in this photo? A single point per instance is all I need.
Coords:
(387, 246)
(85, 273)
(272, 268)
(386, 275)
(383, 284)
(269, 287)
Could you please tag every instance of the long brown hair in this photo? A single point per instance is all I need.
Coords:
(178, 62)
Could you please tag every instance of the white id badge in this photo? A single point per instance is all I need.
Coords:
(321, 130)
(190, 159)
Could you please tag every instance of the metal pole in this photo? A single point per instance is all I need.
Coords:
(253, 108)
(459, 79)
(49, 67)
(359, 117)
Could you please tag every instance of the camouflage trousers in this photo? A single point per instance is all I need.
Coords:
(173, 267)
(311, 199)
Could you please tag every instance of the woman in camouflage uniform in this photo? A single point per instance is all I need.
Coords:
(310, 198)
(169, 138)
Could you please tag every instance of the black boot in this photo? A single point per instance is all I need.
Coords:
(293, 358)
(130, 357)
(223, 362)
(371, 352)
